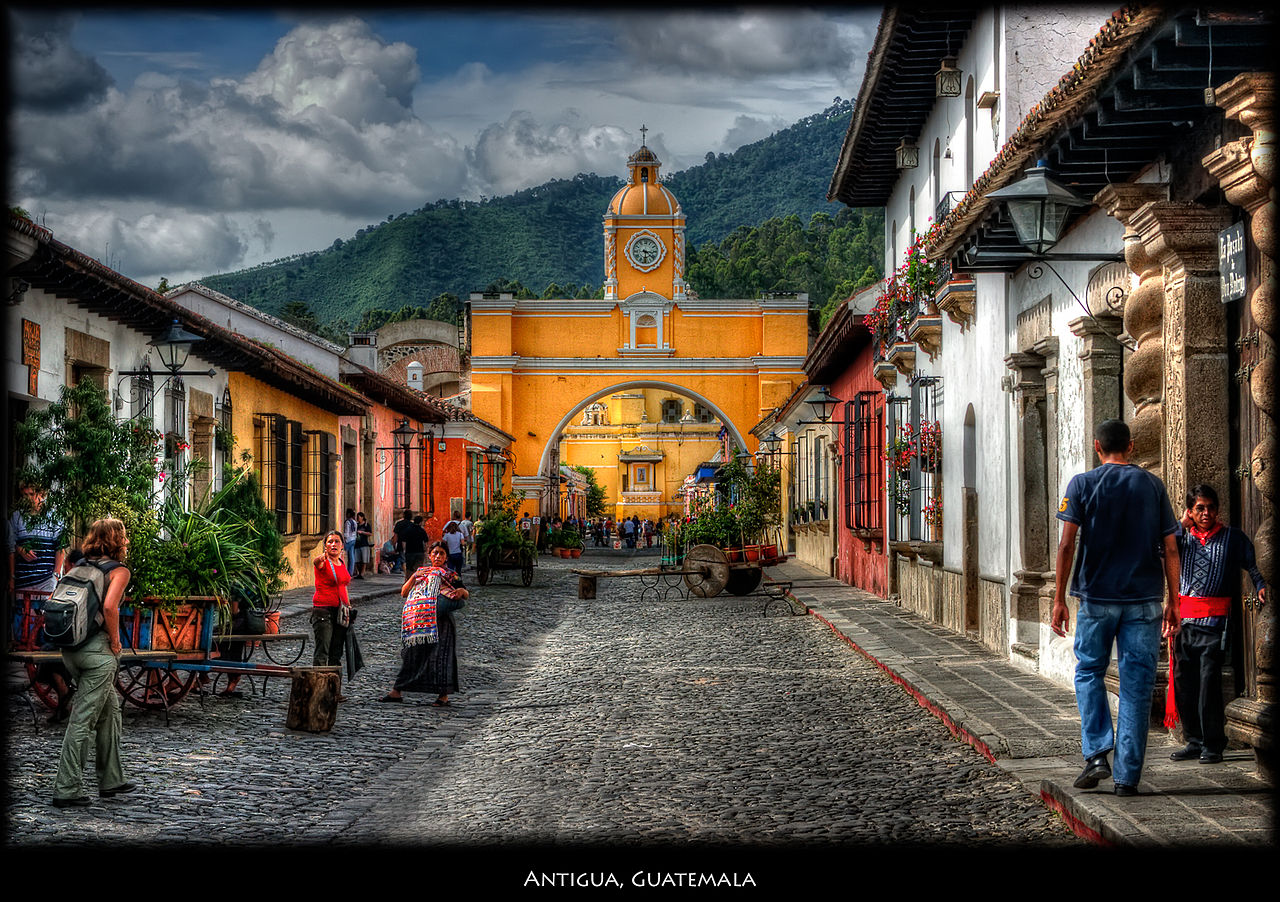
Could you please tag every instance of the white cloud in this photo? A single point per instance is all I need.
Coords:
(523, 152)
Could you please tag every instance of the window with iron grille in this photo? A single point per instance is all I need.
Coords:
(176, 407)
(672, 410)
(296, 443)
(703, 414)
(914, 462)
(141, 390)
(271, 452)
(320, 476)
(864, 449)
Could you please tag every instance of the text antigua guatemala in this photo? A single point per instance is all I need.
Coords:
(639, 878)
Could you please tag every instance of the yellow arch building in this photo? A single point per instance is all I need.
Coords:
(536, 365)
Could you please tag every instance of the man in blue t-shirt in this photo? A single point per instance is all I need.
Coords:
(1128, 559)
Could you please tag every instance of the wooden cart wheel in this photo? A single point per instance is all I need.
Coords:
(154, 688)
(482, 569)
(526, 573)
(711, 570)
(743, 580)
(46, 692)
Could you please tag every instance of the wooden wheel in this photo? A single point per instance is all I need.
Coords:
(526, 573)
(46, 692)
(711, 570)
(743, 580)
(482, 569)
(154, 688)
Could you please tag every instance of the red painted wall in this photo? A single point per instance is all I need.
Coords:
(866, 568)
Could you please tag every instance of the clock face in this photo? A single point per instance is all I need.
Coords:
(645, 251)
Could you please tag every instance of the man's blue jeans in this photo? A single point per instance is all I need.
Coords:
(1135, 629)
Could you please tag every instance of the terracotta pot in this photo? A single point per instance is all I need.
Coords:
(272, 619)
(575, 552)
(752, 552)
(563, 552)
(733, 554)
(769, 552)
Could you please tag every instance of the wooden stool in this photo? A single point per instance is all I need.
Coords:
(313, 698)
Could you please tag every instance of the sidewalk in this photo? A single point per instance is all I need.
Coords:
(1030, 727)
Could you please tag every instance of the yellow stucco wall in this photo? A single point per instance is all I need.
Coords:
(599, 446)
(249, 397)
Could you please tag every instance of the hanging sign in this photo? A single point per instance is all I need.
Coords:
(1231, 263)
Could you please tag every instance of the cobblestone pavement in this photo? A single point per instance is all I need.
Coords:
(579, 721)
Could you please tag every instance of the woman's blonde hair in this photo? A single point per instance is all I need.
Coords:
(106, 538)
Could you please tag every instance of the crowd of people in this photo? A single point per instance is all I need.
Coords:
(1137, 571)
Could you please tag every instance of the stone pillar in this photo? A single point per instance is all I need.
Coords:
(1183, 239)
(1102, 356)
(1029, 400)
(1143, 323)
(1246, 171)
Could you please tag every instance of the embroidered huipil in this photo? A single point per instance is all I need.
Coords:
(1210, 561)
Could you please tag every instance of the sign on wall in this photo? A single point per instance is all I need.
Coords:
(1231, 262)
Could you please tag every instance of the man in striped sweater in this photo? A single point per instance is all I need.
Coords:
(1213, 554)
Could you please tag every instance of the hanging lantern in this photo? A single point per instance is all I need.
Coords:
(947, 78)
(908, 155)
(1038, 207)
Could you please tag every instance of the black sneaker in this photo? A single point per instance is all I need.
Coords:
(77, 802)
(1188, 752)
(1095, 769)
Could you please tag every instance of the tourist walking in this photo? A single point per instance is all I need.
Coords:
(428, 635)
(95, 716)
(1123, 517)
(364, 546)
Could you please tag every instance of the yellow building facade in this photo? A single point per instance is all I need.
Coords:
(536, 365)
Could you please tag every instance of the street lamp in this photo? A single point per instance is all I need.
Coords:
(907, 154)
(947, 78)
(173, 348)
(824, 404)
(1038, 207)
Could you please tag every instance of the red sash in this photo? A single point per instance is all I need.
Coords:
(1203, 607)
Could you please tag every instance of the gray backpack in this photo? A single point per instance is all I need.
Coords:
(73, 613)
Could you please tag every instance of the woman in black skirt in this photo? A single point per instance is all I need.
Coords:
(428, 636)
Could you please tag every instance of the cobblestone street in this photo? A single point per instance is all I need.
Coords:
(578, 721)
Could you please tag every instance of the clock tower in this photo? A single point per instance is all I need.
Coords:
(644, 235)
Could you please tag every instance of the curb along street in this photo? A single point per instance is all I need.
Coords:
(1029, 727)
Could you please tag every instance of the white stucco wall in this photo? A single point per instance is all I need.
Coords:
(244, 320)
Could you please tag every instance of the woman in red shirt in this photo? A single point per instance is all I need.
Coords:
(328, 601)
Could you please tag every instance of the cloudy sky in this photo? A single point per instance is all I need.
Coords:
(182, 143)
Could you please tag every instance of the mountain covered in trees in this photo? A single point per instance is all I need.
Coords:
(757, 221)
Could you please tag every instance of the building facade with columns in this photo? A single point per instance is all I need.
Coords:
(1160, 125)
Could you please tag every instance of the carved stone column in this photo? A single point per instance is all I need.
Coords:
(1246, 171)
(1025, 601)
(1101, 354)
(1143, 322)
(1183, 238)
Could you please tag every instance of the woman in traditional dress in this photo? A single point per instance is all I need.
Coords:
(428, 637)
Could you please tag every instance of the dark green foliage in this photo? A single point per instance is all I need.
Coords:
(749, 207)
(595, 493)
(76, 447)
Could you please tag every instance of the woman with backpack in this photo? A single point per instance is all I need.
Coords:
(95, 716)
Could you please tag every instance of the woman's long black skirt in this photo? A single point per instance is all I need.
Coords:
(431, 668)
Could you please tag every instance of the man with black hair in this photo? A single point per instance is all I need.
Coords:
(1213, 554)
(1128, 557)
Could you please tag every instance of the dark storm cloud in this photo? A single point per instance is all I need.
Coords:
(742, 44)
(47, 72)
